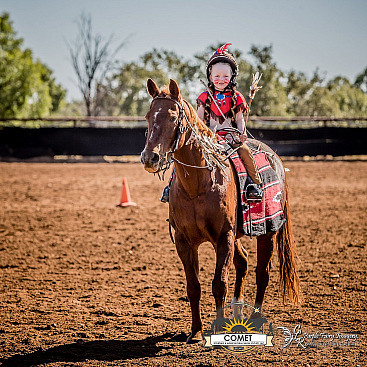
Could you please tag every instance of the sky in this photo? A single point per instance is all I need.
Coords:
(330, 35)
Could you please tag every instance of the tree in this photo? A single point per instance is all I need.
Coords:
(307, 97)
(125, 92)
(283, 93)
(200, 62)
(28, 88)
(272, 99)
(361, 81)
(92, 59)
(316, 97)
(351, 100)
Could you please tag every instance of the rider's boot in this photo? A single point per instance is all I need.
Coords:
(254, 191)
(165, 195)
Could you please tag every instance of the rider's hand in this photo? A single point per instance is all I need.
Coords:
(243, 138)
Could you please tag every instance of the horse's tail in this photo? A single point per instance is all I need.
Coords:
(289, 281)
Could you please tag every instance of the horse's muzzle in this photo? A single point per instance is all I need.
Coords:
(150, 160)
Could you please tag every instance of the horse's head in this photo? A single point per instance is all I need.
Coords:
(165, 125)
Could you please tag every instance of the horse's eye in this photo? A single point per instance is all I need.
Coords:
(172, 119)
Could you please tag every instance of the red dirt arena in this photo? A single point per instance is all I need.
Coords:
(85, 283)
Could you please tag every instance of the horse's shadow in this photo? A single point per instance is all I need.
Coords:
(101, 350)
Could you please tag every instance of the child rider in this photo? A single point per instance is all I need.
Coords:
(226, 111)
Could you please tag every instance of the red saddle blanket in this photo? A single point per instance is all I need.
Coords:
(266, 216)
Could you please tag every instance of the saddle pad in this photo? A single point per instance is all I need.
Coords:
(266, 216)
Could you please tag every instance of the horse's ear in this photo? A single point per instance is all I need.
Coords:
(152, 88)
(174, 89)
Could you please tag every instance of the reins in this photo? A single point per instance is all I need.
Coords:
(212, 151)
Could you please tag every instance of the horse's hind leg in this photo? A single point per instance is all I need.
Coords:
(265, 247)
(240, 263)
(190, 261)
(224, 254)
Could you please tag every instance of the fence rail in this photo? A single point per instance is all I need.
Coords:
(77, 118)
(142, 118)
(319, 136)
(132, 121)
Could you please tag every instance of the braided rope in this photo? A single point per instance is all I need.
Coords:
(233, 107)
(207, 109)
(211, 149)
(213, 152)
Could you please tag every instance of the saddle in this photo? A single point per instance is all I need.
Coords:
(262, 217)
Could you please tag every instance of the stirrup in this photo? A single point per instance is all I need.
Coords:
(256, 195)
(165, 195)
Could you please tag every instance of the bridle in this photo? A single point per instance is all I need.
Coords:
(180, 129)
(165, 160)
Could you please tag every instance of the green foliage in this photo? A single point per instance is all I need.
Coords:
(125, 92)
(283, 93)
(74, 108)
(27, 86)
(351, 100)
(361, 81)
(272, 99)
(315, 97)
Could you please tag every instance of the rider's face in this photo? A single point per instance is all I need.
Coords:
(220, 75)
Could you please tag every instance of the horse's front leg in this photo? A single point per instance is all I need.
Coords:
(224, 253)
(190, 261)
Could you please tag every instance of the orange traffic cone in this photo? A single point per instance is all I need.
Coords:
(125, 195)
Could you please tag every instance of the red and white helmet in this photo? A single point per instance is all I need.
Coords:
(221, 55)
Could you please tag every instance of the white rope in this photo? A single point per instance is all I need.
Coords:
(211, 149)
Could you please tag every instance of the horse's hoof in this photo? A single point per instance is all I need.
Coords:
(256, 315)
(195, 338)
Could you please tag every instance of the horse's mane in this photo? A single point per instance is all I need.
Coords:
(201, 134)
(201, 126)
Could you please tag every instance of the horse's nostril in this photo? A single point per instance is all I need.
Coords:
(155, 158)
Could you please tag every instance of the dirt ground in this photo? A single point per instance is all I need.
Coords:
(85, 283)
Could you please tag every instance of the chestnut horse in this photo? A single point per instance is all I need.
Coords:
(203, 206)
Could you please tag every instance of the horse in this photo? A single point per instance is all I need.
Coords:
(203, 207)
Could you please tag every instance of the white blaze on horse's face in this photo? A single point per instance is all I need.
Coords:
(161, 131)
(156, 113)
